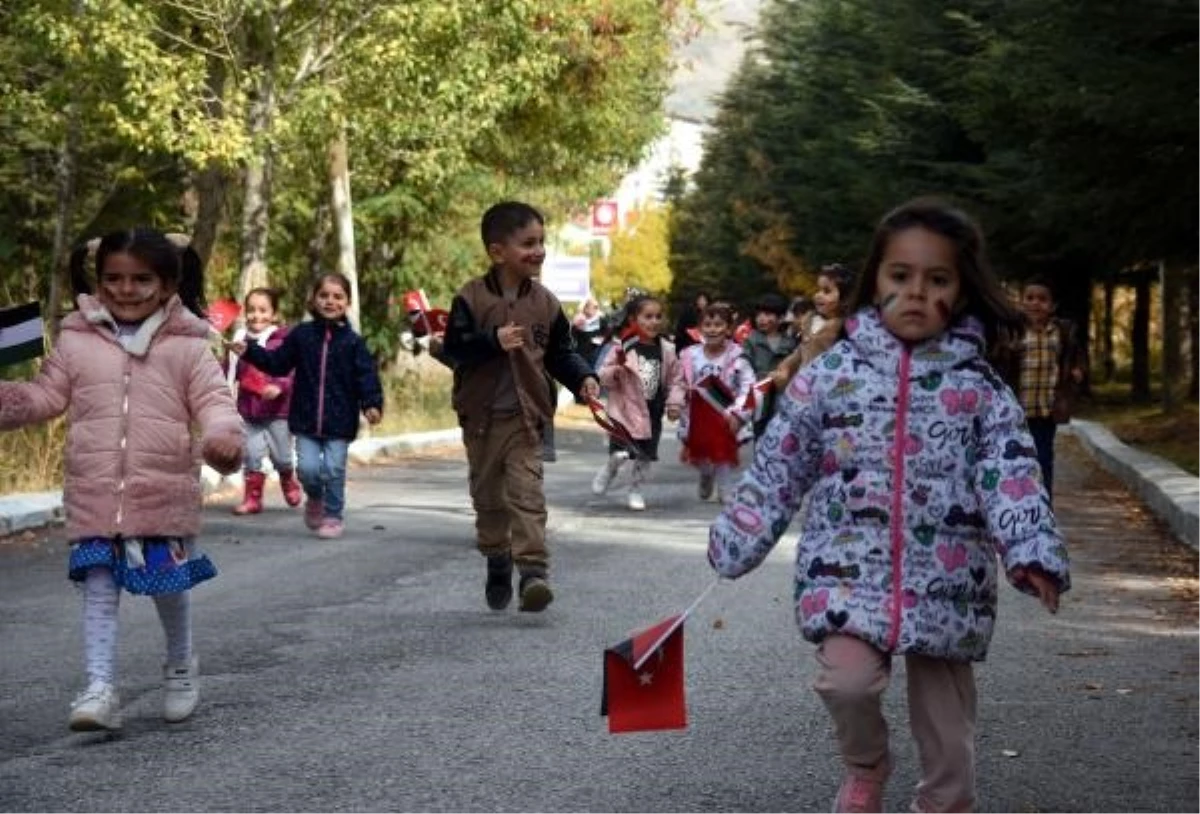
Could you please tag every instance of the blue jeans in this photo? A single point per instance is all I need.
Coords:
(1043, 431)
(321, 467)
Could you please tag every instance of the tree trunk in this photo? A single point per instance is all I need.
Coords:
(212, 181)
(65, 173)
(1140, 385)
(1193, 305)
(316, 245)
(343, 218)
(1172, 335)
(1109, 362)
(256, 200)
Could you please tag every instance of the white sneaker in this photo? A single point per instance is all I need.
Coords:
(96, 708)
(606, 474)
(181, 690)
(636, 503)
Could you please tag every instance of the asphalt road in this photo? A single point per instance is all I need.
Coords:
(366, 674)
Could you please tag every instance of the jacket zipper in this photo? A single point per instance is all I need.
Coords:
(125, 377)
(321, 382)
(897, 524)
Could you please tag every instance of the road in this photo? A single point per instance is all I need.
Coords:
(367, 673)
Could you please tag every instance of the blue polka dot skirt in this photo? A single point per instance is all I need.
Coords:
(143, 565)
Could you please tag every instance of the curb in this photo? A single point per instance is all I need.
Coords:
(32, 510)
(1170, 492)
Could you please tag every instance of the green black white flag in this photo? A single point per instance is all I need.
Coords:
(21, 334)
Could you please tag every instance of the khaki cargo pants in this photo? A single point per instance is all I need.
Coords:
(505, 465)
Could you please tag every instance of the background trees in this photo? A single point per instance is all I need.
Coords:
(1068, 127)
(235, 120)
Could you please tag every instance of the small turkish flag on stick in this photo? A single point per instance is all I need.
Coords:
(643, 678)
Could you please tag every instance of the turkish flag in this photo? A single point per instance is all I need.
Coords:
(432, 322)
(222, 313)
(415, 301)
(643, 680)
(742, 332)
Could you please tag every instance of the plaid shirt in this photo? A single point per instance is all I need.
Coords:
(1039, 369)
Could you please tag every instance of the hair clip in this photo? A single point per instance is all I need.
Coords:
(180, 240)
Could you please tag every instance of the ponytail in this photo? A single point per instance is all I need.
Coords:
(77, 266)
(191, 281)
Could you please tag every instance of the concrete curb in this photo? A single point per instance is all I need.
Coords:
(1170, 492)
(36, 509)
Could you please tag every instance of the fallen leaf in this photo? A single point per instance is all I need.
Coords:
(718, 623)
(1093, 685)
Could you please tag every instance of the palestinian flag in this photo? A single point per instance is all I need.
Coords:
(630, 338)
(643, 680)
(760, 401)
(709, 438)
(21, 333)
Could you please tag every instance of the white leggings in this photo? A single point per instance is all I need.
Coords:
(101, 599)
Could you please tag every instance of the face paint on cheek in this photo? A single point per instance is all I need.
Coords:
(889, 302)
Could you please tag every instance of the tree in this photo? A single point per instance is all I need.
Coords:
(637, 257)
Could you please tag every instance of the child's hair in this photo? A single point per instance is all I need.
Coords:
(635, 306)
(321, 279)
(1041, 282)
(843, 280)
(981, 291)
(771, 304)
(802, 305)
(171, 257)
(718, 310)
(505, 218)
(271, 294)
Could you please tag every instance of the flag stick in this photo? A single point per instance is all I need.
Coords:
(682, 617)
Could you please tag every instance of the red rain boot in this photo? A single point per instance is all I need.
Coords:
(252, 502)
(290, 486)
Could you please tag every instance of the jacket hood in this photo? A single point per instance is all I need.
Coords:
(172, 318)
(961, 343)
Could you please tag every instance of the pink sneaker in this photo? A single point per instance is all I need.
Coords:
(331, 528)
(314, 510)
(859, 794)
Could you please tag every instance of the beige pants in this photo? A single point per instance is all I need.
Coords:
(941, 710)
(505, 467)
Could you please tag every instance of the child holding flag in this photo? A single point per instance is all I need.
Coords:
(134, 372)
(709, 400)
(922, 475)
(263, 402)
(506, 332)
(638, 374)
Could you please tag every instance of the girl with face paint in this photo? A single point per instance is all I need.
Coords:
(134, 373)
(923, 487)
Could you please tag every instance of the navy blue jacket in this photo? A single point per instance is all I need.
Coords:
(335, 378)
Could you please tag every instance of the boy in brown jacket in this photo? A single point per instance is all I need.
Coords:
(506, 331)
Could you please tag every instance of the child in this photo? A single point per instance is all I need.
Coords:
(716, 356)
(1051, 367)
(263, 402)
(638, 375)
(506, 332)
(768, 345)
(335, 380)
(920, 473)
(133, 370)
(821, 326)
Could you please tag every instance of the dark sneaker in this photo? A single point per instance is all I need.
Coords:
(535, 593)
(498, 589)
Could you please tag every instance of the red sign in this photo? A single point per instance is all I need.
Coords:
(604, 217)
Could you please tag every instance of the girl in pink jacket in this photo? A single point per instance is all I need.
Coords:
(638, 374)
(133, 371)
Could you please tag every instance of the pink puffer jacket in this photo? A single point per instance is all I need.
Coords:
(132, 462)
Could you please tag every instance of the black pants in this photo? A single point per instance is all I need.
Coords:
(1043, 430)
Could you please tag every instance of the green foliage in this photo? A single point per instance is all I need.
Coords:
(1068, 127)
(637, 258)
